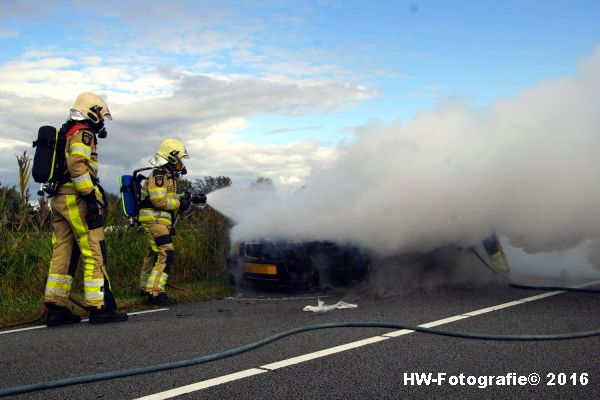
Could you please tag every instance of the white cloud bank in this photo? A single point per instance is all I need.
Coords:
(207, 112)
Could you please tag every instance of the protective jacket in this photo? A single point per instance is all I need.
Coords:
(82, 163)
(159, 197)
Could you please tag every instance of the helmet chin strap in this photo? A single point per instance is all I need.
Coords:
(99, 129)
(172, 170)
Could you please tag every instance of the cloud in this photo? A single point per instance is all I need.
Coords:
(287, 165)
(149, 104)
(62, 75)
(288, 130)
(525, 167)
(8, 163)
(8, 33)
(235, 64)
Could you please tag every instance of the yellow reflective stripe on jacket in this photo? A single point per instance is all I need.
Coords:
(159, 188)
(152, 215)
(79, 149)
(171, 203)
(83, 182)
(94, 167)
(154, 192)
(59, 285)
(144, 275)
(169, 199)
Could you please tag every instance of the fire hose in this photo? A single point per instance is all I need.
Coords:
(39, 315)
(238, 350)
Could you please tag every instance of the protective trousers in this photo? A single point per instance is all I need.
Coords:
(161, 256)
(73, 237)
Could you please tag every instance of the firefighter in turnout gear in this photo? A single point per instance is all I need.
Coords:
(159, 205)
(78, 220)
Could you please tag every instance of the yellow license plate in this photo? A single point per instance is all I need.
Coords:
(264, 269)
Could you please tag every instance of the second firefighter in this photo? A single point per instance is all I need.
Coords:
(159, 205)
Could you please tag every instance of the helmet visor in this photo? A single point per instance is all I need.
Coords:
(76, 115)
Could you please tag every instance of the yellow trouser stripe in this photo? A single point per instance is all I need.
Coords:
(152, 243)
(60, 278)
(50, 291)
(152, 280)
(93, 287)
(94, 296)
(58, 285)
(84, 244)
(143, 279)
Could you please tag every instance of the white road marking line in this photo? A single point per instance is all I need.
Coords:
(427, 325)
(23, 329)
(323, 353)
(147, 311)
(397, 333)
(541, 296)
(276, 298)
(338, 349)
(204, 384)
(83, 320)
(499, 307)
(443, 321)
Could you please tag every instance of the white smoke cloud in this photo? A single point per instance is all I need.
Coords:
(525, 167)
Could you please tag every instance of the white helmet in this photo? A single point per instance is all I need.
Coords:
(90, 106)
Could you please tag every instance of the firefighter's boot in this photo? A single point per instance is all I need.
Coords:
(161, 299)
(104, 316)
(60, 315)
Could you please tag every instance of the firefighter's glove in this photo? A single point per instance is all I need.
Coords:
(104, 197)
(92, 206)
(198, 199)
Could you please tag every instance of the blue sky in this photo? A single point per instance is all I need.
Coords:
(269, 88)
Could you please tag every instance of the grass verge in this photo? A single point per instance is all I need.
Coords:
(127, 299)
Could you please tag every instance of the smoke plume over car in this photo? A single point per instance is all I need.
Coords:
(526, 167)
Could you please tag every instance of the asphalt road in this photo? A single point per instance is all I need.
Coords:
(378, 370)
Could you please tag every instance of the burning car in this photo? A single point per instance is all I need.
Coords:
(309, 264)
(297, 265)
